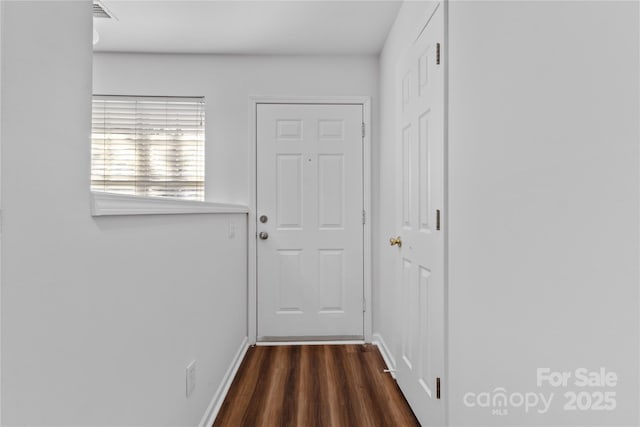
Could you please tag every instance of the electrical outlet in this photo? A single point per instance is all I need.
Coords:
(191, 378)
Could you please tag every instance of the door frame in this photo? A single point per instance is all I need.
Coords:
(252, 249)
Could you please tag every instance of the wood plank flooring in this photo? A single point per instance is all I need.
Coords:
(314, 385)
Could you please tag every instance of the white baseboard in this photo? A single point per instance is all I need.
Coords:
(218, 398)
(386, 354)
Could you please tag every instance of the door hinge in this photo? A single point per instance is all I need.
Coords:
(363, 128)
(438, 219)
(364, 217)
(438, 53)
(437, 387)
(364, 304)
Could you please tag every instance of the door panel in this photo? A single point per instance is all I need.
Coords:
(309, 181)
(425, 373)
(331, 191)
(288, 287)
(289, 191)
(331, 281)
(406, 176)
(421, 196)
(424, 190)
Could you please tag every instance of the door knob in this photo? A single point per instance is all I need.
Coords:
(263, 235)
(396, 241)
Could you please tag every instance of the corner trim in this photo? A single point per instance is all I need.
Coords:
(218, 398)
(103, 204)
(379, 342)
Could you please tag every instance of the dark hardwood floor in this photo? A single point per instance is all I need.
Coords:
(314, 385)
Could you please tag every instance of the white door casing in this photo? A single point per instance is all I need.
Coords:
(420, 271)
(309, 162)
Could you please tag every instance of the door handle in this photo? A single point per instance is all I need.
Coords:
(396, 241)
(263, 235)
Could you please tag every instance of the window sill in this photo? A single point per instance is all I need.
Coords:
(103, 204)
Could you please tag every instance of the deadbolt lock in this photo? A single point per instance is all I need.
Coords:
(263, 219)
(396, 241)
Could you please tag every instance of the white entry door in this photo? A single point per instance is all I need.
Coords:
(420, 223)
(309, 221)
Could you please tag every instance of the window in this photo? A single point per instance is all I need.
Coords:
(148, 146)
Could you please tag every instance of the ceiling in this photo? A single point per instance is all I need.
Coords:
(246, 27)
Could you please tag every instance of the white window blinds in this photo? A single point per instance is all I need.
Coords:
(148, 146)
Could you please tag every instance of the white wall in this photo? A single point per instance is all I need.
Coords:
(100, 316)
(544, 202)
(544, 188)
(227, 82)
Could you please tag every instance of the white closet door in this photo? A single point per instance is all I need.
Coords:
(420, 277)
